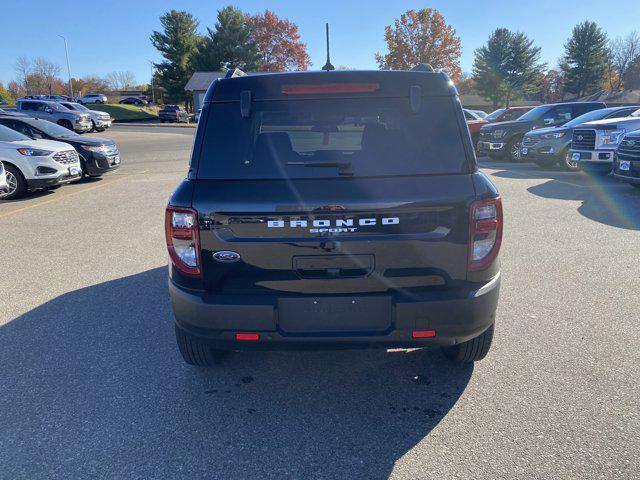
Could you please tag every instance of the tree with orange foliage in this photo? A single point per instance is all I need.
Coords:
(277, 42)
(421, 36)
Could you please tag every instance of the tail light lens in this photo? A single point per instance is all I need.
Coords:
(183, 239)
(485, 233)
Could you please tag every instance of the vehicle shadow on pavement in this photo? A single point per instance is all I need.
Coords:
(92, 385)
(604, 200)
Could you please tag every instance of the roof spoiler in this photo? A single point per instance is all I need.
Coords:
(235, 72)
(423, 67)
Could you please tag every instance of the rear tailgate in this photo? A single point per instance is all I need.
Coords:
(334, 236)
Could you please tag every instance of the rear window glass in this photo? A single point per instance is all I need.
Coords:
(331, 137)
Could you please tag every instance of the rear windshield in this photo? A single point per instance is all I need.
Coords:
(331, 137)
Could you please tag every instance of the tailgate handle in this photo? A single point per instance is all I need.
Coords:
(333, 266)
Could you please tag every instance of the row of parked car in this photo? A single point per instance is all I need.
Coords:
(70, 115)
(586, 136)
(39, 150)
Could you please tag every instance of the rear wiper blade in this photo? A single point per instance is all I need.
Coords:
(344, 168)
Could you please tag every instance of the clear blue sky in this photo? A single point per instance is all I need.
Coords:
(114, 35)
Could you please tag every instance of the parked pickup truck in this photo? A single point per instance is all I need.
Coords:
(626, 166)
(79, 122)
(312, 218)
(594, 143)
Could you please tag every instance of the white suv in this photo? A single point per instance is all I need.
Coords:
(32, 164)
(93, 98)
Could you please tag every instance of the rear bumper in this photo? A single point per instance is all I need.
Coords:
(456, 316)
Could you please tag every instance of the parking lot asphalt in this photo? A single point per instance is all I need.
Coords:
(92, 385)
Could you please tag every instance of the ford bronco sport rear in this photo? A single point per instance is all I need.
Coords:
(333, 209)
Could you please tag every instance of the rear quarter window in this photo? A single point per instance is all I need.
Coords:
(324, 138)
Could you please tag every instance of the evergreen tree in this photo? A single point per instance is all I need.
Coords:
(178, 44)
(584, 63)
(507, 67)
(229, 45)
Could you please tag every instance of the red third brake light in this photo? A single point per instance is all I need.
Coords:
(485, 232)
(183, 240)
(326, 88)
(248, 337)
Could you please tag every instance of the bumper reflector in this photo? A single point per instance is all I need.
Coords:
(247, 337)
(424, 333)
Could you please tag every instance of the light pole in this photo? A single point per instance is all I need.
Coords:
(66, 52)
(153, 92)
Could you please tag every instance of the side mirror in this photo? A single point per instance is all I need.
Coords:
(48, 110)
(549, 121)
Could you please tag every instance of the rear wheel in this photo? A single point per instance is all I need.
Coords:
(17, 183)
(196, 352)
(472, 350)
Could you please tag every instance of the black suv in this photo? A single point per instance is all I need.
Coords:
(626, 166)
(503, 139)
(333, 209)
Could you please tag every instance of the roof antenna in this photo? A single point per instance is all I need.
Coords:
(327, 66)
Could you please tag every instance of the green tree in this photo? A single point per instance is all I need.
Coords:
(228, 45)
(507, 67)
(584, 63)
(178, 43)
(632, 75)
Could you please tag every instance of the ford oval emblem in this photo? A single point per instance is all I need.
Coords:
(226, 256)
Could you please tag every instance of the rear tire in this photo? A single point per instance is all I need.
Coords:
(16, 181)
(196, 352)
(472, 350)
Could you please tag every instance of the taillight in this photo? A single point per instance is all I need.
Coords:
(183, 239)
(485, 232)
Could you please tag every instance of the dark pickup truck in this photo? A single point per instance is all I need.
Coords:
(503, 139)
(333, 210)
